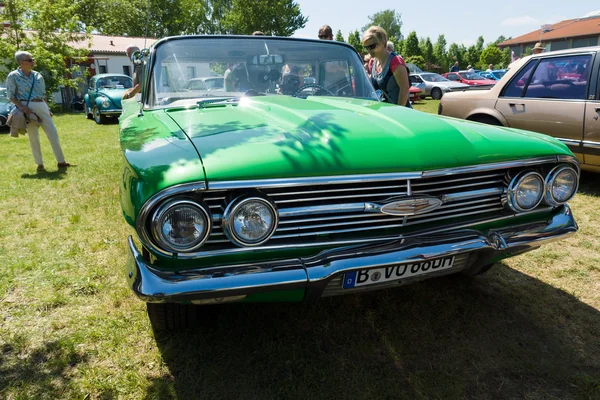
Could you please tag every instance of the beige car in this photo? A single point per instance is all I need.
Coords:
(555, 93)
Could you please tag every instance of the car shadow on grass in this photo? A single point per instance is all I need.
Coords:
(589, 183)
(501, 335)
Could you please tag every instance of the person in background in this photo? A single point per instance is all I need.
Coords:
(257, 33)
(455, 67)
(490, 68)
(388, 69)
(390, 46)
(470, 68)
(538, 48)
(366, 60)
(27, 90)
(326, 33)
(137, 65)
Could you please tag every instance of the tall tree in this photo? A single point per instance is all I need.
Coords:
(47, 31)
(354, 41)
(273, 17)
(389, 20)
(427, 52)
(339, 36)
(440, 53)
(411, 45)
(457, 53)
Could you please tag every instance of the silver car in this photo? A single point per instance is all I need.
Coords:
(435, 84)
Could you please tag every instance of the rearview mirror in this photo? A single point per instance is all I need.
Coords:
(267, 59)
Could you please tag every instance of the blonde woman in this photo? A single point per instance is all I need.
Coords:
(388, 69)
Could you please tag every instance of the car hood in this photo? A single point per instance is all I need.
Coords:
(114, 95)
(449, 84)
(282, 137)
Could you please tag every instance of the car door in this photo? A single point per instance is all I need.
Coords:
(591, 132)
(543, 98)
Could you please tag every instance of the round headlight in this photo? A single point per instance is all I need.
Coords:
(561, 185)
(525, 191)
(181, 225)
(250, 221)
(105, 103)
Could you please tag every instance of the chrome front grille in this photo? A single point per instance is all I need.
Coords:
(330, 212)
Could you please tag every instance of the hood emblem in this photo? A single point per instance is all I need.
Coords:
(411, 205)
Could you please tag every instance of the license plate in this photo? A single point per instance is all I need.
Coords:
(373, 276)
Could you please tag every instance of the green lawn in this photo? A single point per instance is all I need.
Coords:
(71, 329)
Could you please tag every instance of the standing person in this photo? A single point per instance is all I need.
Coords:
(538, 48)
(470, 68)
(455, 67)
(137, 65)
(27, 90)
(388, 70)
(490, 68)
(326, 33)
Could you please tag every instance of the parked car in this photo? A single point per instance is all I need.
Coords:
(417, 87)
(210, 83)
(6, 107)
(298, 193)
(435, 84)
(496, 74)
(555, 93)
(469, 78)
(103, 99)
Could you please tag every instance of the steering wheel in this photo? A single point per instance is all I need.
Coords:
(312, 85)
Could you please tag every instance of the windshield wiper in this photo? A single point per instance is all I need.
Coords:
(218, 102)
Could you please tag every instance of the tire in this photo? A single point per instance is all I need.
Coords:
(171, 317)
(436, 93)
(422, 97)
(88, 113)
(98, 117)
(486, 119)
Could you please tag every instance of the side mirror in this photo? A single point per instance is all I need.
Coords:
(379, 94)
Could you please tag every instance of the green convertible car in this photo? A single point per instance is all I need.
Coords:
(296, 182)
(103, 99)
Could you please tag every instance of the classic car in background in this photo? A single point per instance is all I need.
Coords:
(103, 98)
(210, 83)
(555, 93)
(417, 88)
(435, 84)
(293, 193)
(469, 78)
(6, 107)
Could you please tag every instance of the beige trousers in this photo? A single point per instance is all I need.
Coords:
(41, 109)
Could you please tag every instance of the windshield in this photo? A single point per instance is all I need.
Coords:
(471, 75)
(434, 78)
(232, 67)
(114, 82)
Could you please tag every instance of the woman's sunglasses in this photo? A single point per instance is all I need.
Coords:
(371, 46)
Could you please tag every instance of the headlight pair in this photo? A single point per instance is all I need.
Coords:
(527, 190)
(183, 225)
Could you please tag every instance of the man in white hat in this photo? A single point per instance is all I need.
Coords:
(538, 48)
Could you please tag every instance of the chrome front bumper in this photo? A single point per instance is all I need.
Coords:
(316, 273)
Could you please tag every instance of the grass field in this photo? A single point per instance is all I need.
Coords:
(71, 329)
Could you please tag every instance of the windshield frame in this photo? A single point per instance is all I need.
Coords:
(148, 90)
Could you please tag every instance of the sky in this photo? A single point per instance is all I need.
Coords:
(461, 22)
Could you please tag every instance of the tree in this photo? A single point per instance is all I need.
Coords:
(46, 30)
(339, 37)
(273, 17)
(411, 45)
(354, 41)
(439, 52)
(419, 61)
(474, 52)
(491, 55)
(389, 20)
(457, 53)
(427, 51)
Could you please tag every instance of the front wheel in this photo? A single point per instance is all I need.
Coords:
(171, 317)
(98, 117)
(436, 93)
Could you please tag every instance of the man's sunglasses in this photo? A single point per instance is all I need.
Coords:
(371, 46)
(29, 60)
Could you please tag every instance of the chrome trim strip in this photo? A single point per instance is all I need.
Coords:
(572, 142)
(328, 209)
(473, 194)
(350, 189)
(592, 145)
(350, 179)
(467, 185)
(314, 273)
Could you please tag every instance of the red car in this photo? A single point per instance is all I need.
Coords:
(469, 78)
